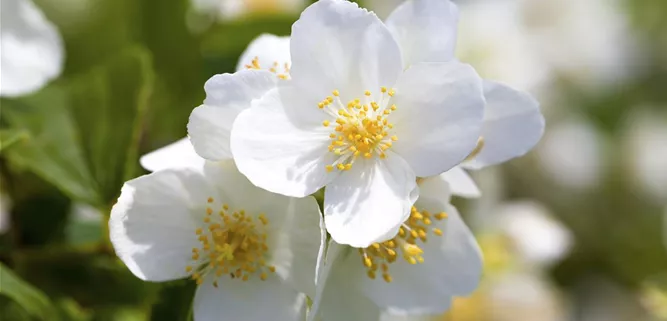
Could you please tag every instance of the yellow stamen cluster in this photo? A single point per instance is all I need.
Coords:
(233, 243)
(275, 68)
(361, 127)
(414, 232)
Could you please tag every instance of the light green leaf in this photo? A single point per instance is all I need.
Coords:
(25, 295)
(11, 136)
(52, 149)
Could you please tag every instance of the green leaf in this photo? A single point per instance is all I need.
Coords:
(9, 137)
(109, 104)
(52, 150)
(174, 301)
(35, 303)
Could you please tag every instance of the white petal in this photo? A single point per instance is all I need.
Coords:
(180, 154)
(152, 226)
(275, 154)
(452, 267)
(435, 187)
(369, 202)
(461, 183)
(32, 49)
(226, 95)
(341, 299)
(251, 300)
(294, 224)
(513, 124)
(439, 114)
(338, 46)
(268, 49)
(425, 30)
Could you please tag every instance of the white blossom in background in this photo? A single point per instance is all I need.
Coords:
(31, 49)
(432, 259)
(646, 152)
(355, 117)
(572, 154)
(539, 238)
(251, 252)
(266, 52)
(590, 42)
(231, 9)
(494, 39)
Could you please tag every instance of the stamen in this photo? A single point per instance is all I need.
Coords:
(235, 242)
(411, 235)
(361, 129)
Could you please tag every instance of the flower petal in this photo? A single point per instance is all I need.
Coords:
(275, 154)
(180, 154)
(341, 300)
(513, 124)
(434, 187)
(425, 30)
(268, 49)
(251, 300)
(369, 202)
(338, 46)
(452, 267)
(152, 225)
(226, 95)
(439, 114)
(461, 183)
(32, 49)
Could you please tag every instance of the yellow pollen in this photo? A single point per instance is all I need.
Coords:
(408, 242)
(235, 242)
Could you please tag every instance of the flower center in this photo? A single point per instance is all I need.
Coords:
(414, 232)
(275, 68)
(233, 243)
(361, 127)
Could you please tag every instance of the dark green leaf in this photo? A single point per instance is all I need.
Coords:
(174, 302)
(33, 301)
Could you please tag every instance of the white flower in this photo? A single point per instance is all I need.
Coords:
(540, 239)
(266, 52)
(513, 123)
(250, 251)
(573, 137)
(32, 50)
(433, 258)
(352, 118)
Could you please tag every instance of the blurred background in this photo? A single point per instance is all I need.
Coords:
(575, 230)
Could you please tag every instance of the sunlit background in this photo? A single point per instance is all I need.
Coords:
(576, 230)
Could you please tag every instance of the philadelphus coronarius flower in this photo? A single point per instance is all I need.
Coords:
(267, 52)
(355, 115)
(433, 258)
(32, 49)
(512, 124)
(241, 244)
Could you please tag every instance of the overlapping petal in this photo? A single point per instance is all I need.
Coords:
(277, 155)
(152, 224)
(460, 182)
(369, 202)
(226, 95)
(513, 124)
(425, 29)
(336, 45)
(180, 154)
(271, 51)
(439, 115)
